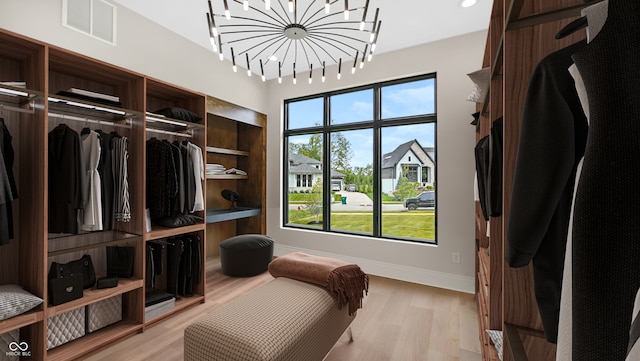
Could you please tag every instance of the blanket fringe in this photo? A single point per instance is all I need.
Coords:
(348, 284)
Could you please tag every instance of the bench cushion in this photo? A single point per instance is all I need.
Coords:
(282, 320)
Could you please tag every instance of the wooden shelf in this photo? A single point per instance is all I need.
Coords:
(22, 320)
(93, 341)
(94, 295)
(86, 241)
(163, 232)
(181, 304)
(227, 176)
(226, 214)
(217, 150)
(85, 109)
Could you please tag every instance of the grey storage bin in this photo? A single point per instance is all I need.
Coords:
(65, 327)
(104, 313)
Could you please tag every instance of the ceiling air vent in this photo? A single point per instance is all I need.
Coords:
(96, 18)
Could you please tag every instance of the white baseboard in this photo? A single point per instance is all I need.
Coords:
(395, 271)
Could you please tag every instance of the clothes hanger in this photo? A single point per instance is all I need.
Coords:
(572, 27)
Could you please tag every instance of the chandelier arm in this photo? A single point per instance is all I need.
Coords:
(288, 21)
(321, 48)
(273, 27)
(329, 41)
(312, 49)
(273, 43)
(266, 32)
(260, 44)
(306, 11)
(322, 18)
(287, 51)
(282, 20)
(305, 54)
(318, 12)
(320, 26)
(249, 38)
(326, 35)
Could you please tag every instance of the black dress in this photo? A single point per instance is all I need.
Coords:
(606, 227)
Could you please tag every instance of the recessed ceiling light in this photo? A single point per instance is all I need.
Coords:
(467, 3)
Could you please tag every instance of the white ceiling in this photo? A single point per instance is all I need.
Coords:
(405, 23)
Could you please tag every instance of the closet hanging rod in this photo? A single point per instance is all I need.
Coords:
(169, 132)
(162, 242)
(88, 120)
(16, 109)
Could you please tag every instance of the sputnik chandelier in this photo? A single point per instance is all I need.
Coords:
(286, 37)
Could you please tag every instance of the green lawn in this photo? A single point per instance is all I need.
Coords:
(412, 224)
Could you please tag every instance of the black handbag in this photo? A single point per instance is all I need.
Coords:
(65, 289)
(82, 266)
(120, 261)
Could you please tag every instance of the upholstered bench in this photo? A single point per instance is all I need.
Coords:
(283, 320)
(246, 255)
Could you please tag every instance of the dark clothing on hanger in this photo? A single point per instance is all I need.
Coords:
(65, 179)
(482, 173)
(606, 251)
(8, 189)
(190, 182)
(174, 260)
(495, 169)
(179, 203)
(105, 169)
(162, 181)
(552, 141)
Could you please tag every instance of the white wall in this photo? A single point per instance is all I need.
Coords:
(451, 59)
(141, 46)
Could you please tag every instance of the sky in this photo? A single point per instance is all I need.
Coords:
(397, 101)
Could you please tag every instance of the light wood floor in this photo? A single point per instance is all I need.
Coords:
(400, 321)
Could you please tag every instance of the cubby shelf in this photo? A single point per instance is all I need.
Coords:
(22, 320)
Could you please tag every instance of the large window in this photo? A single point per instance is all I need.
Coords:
(363, 161)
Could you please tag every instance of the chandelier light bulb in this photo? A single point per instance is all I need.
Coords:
(346, 14)
(324, 78)
(221, 56)
(290, 6)
(362, 65)
(245, 5)
(327, 7)
(249, 72)
(213, 44)
(264, 78)
(227, 14)
(267, 4)
(372, 37)
(279, 80)
(362, 23)
(235, 69)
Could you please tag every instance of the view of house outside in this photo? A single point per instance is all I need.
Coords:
(391, 195)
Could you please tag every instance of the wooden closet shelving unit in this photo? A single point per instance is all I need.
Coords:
(236, 138)
(521, 33)
(33, 111)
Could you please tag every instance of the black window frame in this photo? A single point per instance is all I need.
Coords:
(377, 124)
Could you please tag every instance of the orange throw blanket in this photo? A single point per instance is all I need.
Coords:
(346, 282)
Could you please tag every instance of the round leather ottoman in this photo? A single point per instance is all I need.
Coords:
(246, 255)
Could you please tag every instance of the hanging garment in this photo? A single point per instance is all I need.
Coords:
(150, 271)
(162, 180)
(597, 16)
(190, 181)
(92, 219)
(8, 189)
(120, 156)
(65, 179)
(174, 259)
(105, 169)
(180, 199)
(606, 254)
(494, 185)
(198, 174)
(482, 169)
(184, 273)
(552, 141)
